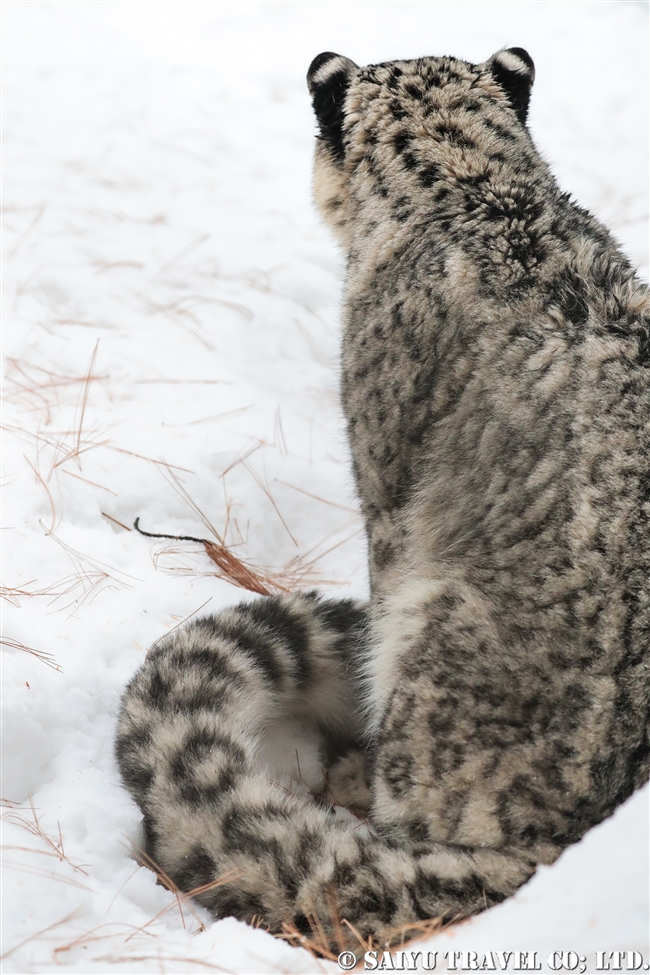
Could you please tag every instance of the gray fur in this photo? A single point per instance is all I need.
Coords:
(496, 385)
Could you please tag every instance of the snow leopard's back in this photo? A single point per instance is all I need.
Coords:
(496, 384)
(496, 373)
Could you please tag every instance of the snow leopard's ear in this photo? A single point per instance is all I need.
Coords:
(328, 80)
(514, 70)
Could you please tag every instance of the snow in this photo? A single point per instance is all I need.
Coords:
(170, 323)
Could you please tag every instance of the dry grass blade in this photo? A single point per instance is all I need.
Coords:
(105, 266)
(333, 534)
(177, 306)
(85, 480)
(42, 655)
(69, 444)
(47, 874)
(82, 323)
(63, 453)
(151, 460)
(33, 826)
(93, 935)
(317, 945)
(83, 400)
(182, 897)
(265, 488)
(145, 860)
(36, 388)
(180, 623)
(79, 558)
(241, 457)
(115, 521)
(38, 934)
(226, 878)
(278, 432)
(61, 450)
(178, 486)
(179, 959)
(183, 252)
(316, 351)
(30, 849)
(320, 946)
(53, 524)
(13, 593)
(25, 234)
(189, 382)
(175, 313)
(364, 944)
(87, 581)
(316, 497)
(335, 918)
(414, 931)
(225, 414)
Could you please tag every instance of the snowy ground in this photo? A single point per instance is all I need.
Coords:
(170, 323)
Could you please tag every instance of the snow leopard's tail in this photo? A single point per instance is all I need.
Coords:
(191, 724)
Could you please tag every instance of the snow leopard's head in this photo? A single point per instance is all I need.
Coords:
(391, 132)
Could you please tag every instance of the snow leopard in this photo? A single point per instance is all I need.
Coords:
(489, 702)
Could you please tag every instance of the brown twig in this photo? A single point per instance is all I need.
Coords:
(230, 567)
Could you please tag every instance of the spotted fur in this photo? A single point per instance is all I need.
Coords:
(491, 702)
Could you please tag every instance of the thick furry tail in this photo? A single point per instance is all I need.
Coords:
(191, 727)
